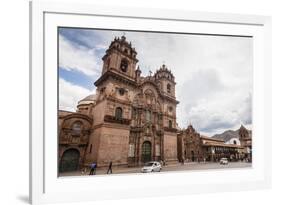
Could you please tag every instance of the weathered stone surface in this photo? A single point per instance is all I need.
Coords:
(129, 113)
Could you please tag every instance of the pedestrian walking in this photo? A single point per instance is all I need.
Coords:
(93, 168)
(182, 161)
(109, 168)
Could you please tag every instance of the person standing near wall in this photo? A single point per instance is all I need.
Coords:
(109, 168)
(93, 168)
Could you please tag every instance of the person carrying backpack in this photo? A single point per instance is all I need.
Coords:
(93, 168)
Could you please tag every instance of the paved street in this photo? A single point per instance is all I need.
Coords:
(171, 167)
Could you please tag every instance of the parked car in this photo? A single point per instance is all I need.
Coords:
(224, 161)
(153, 166)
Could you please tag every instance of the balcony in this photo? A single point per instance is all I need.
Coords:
(113, 119)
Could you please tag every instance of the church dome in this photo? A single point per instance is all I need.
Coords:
(88, 100)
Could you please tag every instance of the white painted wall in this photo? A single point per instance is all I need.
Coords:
(231, 141)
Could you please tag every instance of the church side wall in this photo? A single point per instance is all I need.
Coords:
(113, 146)
(99, 112)
(170, 146)
(94, 140)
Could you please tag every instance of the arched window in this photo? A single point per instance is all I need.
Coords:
(118, 113)
(124, 65)
(134, 113)
(147, 129)
(170, 108)
(148, 116)
(121, 91)
(159, 117)
(170, 124)
(168, 88)
(108, 63)
(234, 142)
(76, 128)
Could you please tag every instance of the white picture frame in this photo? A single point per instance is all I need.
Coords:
(46, 187)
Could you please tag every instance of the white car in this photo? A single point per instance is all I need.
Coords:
(153, 166)
(224, 161)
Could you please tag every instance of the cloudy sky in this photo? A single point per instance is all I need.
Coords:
(213, 73)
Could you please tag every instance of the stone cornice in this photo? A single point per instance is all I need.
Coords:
(78, 115)
(168, 129)
(113, 99)
(110, 125)
(117, 76)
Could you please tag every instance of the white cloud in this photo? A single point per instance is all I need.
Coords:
(211, 105)
(213, 115)
(78, 58)
(213, 74)
(70, 94)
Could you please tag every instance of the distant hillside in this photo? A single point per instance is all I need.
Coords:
(227, 135)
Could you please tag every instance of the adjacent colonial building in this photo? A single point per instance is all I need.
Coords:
(195, 147)
(245, 137)
(130, 120)
(74, 132)
(189, 145)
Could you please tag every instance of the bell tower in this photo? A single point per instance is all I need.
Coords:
(166, 81)
(120, 57)
(243, 135)
(112, 111)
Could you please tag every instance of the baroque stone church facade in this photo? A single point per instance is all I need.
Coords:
(130, 120)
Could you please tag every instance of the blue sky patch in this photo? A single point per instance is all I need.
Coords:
(77, 78)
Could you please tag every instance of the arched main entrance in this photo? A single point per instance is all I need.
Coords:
(146, 151)
(69, 160)
(192, 156)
